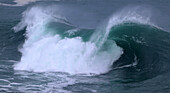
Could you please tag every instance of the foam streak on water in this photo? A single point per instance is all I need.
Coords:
(23, 2)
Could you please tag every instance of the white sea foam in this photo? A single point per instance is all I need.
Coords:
(20, 2)
(43, 51)
(23, 2)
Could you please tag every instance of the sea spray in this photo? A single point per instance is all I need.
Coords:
(125, 15)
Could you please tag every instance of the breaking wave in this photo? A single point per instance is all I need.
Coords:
(53, 44)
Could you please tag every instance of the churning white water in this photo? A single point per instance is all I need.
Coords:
(44, 51)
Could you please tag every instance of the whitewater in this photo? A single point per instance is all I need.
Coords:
(46, 50)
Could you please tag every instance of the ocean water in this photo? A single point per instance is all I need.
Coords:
(84, 46)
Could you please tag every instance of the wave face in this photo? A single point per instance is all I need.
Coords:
(127, 38)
